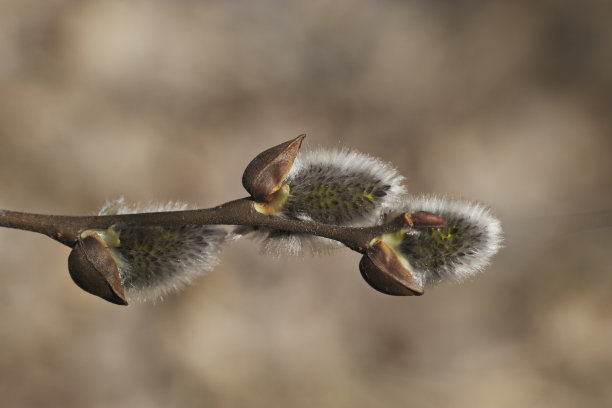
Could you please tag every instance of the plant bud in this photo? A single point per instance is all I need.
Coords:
(154, 261)
(265, 174)
(94, 270)
(384, 270)
(336, 187)
(456, 251)
(341, 187)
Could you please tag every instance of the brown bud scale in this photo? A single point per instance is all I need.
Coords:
(265, 174)
(382, 269)
(94, 270)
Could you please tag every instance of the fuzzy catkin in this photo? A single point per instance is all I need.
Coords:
(341, 187)
(154, 261)
(459, 250)
(336, 187)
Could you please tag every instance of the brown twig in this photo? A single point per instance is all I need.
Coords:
(66, 229)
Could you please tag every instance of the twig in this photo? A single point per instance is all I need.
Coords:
(66, 229)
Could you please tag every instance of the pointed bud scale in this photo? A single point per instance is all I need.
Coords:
(419, 219)
(265, 174)
(382, 269)
(424, 219)
(94, 270)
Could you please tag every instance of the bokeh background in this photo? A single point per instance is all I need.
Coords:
(507, 103)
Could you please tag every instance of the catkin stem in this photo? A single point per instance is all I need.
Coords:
(66, 229)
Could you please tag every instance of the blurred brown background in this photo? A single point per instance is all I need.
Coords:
(505, 102)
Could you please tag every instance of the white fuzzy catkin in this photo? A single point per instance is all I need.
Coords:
(334, 170)
(459, 250)
(155, 261)
(337, 187)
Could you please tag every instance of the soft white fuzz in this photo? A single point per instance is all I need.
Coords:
(155, 261)
(354, 171)
(459, 250)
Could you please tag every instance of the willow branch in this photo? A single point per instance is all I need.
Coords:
(66, 229)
